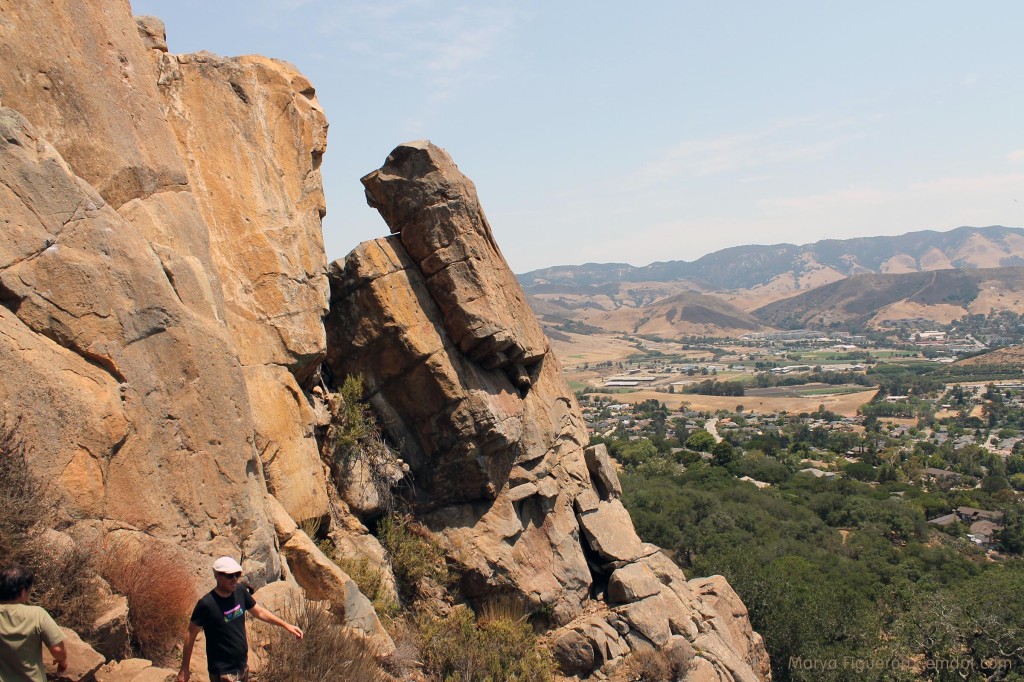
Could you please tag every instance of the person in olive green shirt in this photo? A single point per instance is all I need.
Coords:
(24, 630)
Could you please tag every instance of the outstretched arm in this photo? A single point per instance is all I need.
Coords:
(268, 617)
(186, 651)
(60, 656)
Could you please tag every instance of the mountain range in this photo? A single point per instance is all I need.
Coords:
(860, 282)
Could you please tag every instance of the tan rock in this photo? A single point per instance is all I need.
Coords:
(110, 632)
(632, 582)
(284, 439)
(702, 670)
(283, 598)
(731, 624)
(452, 243)
(80, 73)
(77, 405)
(134, 670)
(80, 275)
(284, 526)
(153, 33)
(432, 322)
(252, 135)
(610, 532)
(83, 660)
(602, 471)
(574, 653)
(361, 546)
(322, 580)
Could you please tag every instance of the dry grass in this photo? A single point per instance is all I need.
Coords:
(328, 651)
(159, 590)
(651, 665)
(63, 576)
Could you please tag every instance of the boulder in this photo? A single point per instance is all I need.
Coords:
(83, 660)
(602, 471)
(322, 580)
(466, 275)
(731, 623)
(609, 532)
(110, 632)
(574, 653)
(134, 670)
(632, 583)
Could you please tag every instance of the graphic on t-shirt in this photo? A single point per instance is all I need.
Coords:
(231, 614)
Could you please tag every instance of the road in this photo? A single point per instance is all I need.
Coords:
(710, 427)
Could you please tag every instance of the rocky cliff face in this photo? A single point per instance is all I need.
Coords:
(157, 262)
(163, 287)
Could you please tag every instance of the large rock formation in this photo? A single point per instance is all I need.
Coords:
(433, 321)
(162, 282)
(162, 274)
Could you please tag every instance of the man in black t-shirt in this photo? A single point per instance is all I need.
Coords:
(221, 615)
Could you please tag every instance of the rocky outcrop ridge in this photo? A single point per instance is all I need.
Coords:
(500, 460)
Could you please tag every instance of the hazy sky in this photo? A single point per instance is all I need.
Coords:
(645, 131)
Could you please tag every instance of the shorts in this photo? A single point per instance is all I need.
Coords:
(237, 676)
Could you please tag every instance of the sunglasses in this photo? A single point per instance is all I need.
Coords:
(233, 576)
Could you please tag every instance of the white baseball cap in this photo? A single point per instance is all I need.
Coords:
(226, 564)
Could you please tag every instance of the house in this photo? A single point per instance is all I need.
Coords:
(944, 520)
(818, 473)
(940, 474)
(983, 525)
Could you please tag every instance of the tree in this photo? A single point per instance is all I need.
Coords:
(724, 454)
(700, 440)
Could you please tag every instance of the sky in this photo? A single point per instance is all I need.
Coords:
(633, 133)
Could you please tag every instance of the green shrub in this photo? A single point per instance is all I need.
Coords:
(353, 435)
(370, 579)
(416, 557)
(459, 648)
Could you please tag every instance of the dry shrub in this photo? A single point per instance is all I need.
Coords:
(500, 607)
(651, 665)
(458, 648)
(159, 589)
(63, 576)
(327, 652)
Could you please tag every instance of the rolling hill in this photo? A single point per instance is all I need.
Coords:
(879, 300)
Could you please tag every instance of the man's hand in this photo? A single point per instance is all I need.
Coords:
(60, 656)
(267, 617)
